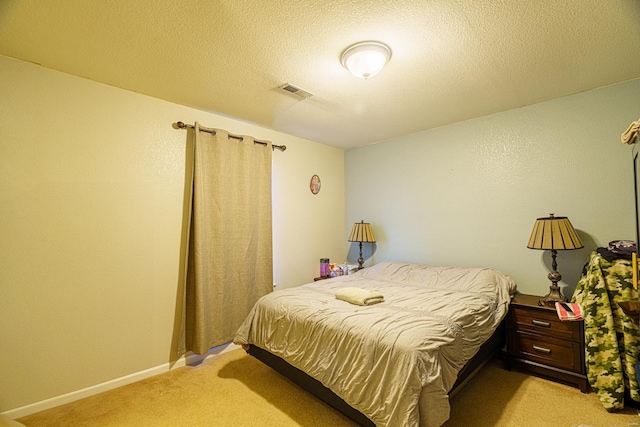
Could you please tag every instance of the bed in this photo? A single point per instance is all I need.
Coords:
(393, 363)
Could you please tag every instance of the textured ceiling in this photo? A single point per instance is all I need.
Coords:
(452, 59)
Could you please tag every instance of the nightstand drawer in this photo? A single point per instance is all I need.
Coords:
(545, 322)
(547, 350)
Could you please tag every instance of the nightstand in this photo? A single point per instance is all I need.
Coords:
(538, 341)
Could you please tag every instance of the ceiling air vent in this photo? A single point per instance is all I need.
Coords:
(293, 90)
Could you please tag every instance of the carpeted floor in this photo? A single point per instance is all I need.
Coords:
(497, 397)
(236, 390)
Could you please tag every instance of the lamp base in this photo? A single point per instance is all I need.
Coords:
(360, 260)
(552, 297)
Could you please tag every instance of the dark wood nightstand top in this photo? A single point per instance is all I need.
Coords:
(530, 301)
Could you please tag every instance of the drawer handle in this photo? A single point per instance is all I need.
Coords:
(542, 349)
(541, 323)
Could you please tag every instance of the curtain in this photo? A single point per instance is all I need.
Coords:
(229, 262)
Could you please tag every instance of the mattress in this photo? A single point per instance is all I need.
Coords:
(394, 361)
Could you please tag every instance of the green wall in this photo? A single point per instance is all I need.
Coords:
(468, 194)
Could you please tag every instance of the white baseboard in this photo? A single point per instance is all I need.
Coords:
(190, 359)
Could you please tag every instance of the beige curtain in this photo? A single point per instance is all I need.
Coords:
(229, 264)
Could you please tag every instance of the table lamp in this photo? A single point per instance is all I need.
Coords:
(554, 233)
(361, 232)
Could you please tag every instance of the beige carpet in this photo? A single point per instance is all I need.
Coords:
(497, 397)
(236, 390)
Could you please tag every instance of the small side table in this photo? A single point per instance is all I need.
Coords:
(538, 341)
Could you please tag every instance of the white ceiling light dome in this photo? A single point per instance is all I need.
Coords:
(366, 59)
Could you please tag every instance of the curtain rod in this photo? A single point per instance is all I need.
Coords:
(182, 125)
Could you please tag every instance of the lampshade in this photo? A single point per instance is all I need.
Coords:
(365, 59)
(362, 232)
(554, 232)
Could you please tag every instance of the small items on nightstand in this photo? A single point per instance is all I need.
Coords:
(324, 267)
(336, 270)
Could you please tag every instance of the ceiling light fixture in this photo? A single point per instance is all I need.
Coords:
(365, 59)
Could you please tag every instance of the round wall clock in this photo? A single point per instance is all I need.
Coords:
(314, 185)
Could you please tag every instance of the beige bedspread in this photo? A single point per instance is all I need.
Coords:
(394, 361)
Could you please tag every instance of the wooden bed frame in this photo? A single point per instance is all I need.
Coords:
(486, 352)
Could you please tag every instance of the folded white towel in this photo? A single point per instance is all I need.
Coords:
(359, 296)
